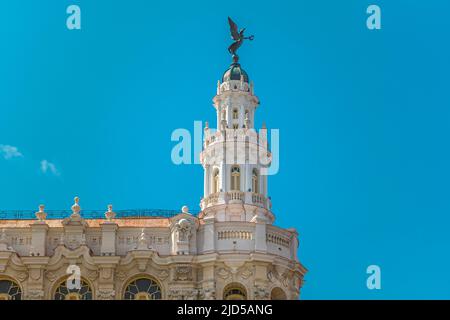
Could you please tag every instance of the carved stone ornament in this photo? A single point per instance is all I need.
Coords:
(92, 275)
(50, 276)
(21, 276)
(207, 294)
(103, 294)
(35, 274)
(121, 275)
(4, 246)
(142, 242)
(223, 273)
(260, 293)
(183, 273)
(184, 230)
(163, 274)
(246, 273)
(183, 294)
(106, 273)
(35, 294)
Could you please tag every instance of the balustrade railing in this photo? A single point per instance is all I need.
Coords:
(235, 195)
(91, 214)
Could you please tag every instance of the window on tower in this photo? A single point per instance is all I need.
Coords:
(235, 178)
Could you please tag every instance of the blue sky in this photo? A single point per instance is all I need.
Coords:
(363, 118)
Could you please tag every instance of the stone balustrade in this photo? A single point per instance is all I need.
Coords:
(233, 197)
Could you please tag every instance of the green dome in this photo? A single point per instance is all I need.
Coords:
(234, 73)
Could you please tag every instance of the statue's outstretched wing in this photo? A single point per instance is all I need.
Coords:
(233, 29)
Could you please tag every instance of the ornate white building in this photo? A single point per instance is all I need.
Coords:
(230, 250)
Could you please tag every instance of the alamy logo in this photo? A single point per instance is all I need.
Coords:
(374, 20)
(374, 280)
(73, 282)
(73, 21)
(230, 146)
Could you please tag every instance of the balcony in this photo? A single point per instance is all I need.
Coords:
(236, 197)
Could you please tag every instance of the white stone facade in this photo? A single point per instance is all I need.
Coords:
(230, 250)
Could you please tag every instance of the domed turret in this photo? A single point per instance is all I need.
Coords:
(235, 72)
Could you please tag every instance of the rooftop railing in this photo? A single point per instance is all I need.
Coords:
(91, 214)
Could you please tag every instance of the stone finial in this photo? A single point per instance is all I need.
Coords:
(110, 214)
(41, 215)
(264, 125)
(206, 125)
(76, 207)
(185, 209)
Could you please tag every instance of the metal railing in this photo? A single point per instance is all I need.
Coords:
(91, 214)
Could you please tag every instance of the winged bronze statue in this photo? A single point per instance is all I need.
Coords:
(238, 37)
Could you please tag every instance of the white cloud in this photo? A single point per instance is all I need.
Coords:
(47, 166)
(9, 152)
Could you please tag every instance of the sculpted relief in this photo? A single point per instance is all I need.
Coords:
(184, 230)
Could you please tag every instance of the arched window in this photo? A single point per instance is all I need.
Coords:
(83, 292)
(235, 114)
(143, 289)
(215, 181)
(277, 294)
(255, 181)
(234, 291)
(10, 290)
(235, 178)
